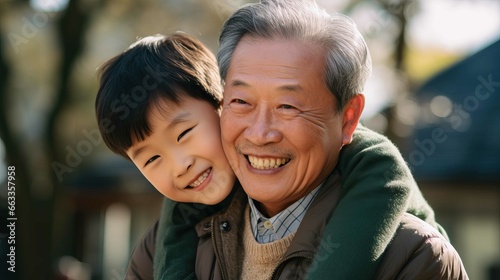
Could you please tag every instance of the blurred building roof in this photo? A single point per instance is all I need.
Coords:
(458, 137)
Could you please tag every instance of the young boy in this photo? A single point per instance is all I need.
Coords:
(162, 99)
(158, 105)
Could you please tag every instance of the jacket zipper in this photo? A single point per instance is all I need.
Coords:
(296, 255)
(217, 256)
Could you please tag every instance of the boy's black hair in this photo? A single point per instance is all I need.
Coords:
(154, 68)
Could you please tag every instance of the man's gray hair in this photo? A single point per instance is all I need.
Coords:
(348, 62)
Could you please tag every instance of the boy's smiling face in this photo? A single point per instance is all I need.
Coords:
(183, 157)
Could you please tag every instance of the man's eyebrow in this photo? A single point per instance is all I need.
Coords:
(286, 87)
(236, 83)
(291, 88)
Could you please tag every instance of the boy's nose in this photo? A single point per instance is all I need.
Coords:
(182, 164)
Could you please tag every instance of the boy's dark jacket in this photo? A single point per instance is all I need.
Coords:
(377, 189)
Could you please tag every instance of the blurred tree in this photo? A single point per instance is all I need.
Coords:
(39, 227)
(396, 8)
(399, 10)
(71, 29)
(15, 157)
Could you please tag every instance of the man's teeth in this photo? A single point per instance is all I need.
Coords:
(266, 163)
(200, 179)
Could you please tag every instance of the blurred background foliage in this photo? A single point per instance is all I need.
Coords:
(81, 209)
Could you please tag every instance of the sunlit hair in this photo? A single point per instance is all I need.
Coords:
(153, 69)
(348, 62)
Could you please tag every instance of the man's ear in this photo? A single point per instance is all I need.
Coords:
(351, 113)
(221, 105)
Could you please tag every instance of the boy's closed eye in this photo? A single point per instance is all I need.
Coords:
(184, 133)
(153, 158)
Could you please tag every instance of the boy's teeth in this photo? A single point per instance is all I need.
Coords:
(200, 179)
(266, 163)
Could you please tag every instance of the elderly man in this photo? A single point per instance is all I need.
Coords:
(292, 81)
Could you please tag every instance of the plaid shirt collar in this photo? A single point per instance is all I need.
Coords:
(282, 224)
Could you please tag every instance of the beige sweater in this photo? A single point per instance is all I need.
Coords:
(259, 260)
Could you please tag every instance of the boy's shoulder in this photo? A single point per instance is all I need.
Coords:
(141, 261)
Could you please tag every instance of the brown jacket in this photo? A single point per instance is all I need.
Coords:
(418, 251)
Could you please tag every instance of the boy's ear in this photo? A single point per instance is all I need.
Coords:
(351, 114)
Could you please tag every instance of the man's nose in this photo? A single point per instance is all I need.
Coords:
(261, 128)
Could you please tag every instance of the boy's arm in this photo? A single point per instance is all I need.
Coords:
(378, 188)
(177, 241)
(168, 249)
(141, 262)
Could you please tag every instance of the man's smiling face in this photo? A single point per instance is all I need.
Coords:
(280, 130)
